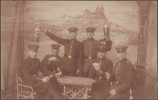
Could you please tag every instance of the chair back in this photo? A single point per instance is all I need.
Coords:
(24, 91)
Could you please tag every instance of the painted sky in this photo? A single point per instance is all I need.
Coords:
(123, 13)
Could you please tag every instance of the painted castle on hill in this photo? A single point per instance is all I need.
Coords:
(89, 18)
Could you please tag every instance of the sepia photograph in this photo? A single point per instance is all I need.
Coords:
(78, 49)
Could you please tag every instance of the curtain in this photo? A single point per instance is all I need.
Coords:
(15, 46)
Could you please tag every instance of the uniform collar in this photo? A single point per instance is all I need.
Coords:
(123, 60)
(103, 59)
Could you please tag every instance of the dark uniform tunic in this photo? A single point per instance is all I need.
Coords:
(50, 67)
(99, 89)
(89, 52)
(30, 68)
(72, 54)
(122, 78)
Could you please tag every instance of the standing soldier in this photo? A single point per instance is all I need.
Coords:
(72, 51)
(122, 76)
(100, 70)
(89, 52)
(51, 65)
(30, 69)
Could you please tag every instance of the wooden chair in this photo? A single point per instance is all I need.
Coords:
(24, 91)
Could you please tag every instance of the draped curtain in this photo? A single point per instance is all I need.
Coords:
(12, 33)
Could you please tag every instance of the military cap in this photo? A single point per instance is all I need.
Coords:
(33, 47)
(121, 48)
(55, 46)
(90, 29)
(72, 29)
(101, 48)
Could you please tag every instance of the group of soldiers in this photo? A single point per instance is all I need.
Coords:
(84, 59)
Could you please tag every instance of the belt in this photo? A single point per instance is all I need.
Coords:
(70, 57)
(90, 57)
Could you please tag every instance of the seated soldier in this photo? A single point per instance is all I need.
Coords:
(122, 76)
(100, 70)
(30, 69)
(51, 66)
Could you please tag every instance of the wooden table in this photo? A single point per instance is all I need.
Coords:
(76, 87)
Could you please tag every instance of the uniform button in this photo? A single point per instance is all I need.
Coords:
(69, 57)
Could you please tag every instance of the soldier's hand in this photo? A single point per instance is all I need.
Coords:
(58, 74)
(107, 75)
(45, 79)
(113, 92)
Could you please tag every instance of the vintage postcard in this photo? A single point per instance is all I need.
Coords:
(78, 49)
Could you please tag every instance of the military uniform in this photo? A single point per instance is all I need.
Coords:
(122, 77)
(72, 54)
(99, 88)
(50, 67)
(51, 63)
(30, 68)
(89, 52)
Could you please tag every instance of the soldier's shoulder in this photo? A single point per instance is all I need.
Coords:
(25, 61)
(109, 61)
(129, 64)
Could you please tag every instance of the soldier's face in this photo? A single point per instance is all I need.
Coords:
(32, 53)
(121, 55)
(90, 35)
(101, 55)
(55, 52)
(72, 35)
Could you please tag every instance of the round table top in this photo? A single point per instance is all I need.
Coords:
(70, 80)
